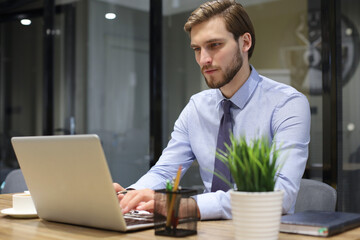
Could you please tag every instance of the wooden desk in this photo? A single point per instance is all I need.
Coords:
(12, 228)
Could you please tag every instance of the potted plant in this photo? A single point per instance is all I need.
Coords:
(256, 207)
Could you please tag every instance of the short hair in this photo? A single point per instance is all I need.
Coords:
(237, 21)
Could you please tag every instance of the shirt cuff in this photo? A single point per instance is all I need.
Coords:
(215, 205)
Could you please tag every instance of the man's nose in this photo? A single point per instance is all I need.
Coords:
(205, 58)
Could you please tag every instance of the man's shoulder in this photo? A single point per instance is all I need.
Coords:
(272, 86)
(278, 94)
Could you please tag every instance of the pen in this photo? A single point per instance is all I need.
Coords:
(171, 207)
(122, 192)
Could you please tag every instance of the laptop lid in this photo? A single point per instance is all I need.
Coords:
(69, 180)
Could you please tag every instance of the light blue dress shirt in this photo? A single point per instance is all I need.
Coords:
(262, 107)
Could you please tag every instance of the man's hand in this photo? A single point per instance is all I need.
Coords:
(144, 200)
(135, 199)
(138, 200)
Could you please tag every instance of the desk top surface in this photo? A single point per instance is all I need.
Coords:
(12, 228)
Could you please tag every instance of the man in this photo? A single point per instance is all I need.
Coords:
(223, 39)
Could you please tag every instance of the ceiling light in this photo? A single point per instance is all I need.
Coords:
(25, 21)
(110, 16)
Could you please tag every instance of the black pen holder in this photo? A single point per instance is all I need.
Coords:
(175, 213)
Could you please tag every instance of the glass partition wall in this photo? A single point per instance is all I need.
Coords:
(117, 85)
(21, 83)
(349, 166)
(96, 56)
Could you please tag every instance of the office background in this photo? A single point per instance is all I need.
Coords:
(73, 71)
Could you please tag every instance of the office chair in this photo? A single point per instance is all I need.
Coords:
(14, 182)
(315, 195)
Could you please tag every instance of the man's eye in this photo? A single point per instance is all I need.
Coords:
(196, 49)
(213, 45)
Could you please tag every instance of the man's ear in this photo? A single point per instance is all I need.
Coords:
(245, 42)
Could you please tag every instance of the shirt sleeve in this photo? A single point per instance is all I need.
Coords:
(291, 125)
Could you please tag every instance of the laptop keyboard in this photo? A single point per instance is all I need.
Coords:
(138, 217)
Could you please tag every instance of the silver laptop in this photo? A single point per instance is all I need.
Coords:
(69, 181)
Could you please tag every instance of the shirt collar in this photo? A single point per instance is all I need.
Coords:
(243, 95)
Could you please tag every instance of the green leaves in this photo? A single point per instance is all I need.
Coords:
(252, 165)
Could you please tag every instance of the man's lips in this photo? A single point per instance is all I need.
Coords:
(209, 71)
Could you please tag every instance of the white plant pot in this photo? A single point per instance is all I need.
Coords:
(256, 215)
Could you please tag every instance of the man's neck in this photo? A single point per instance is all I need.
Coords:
(240, 78)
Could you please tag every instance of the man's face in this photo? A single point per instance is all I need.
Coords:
(216, 52)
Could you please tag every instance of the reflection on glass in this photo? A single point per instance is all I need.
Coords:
(118, 87)
(21, 85)
(349, 176)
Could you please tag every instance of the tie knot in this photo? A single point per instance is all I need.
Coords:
(226, 106)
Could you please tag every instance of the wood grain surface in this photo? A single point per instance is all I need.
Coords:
(12, 228)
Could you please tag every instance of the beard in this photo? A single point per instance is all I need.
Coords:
(228, 73)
